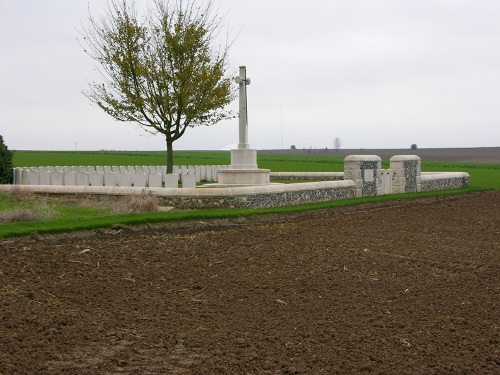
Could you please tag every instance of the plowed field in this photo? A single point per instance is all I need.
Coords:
(403, 287)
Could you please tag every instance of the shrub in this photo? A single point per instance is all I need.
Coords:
(137, 204)
(17, 216)
(414, 146)
(5, 163)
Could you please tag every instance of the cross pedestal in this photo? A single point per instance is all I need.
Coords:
(244, 159)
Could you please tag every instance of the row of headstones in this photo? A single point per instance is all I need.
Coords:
(126, 176)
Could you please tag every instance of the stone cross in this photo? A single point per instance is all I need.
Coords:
(243, 81)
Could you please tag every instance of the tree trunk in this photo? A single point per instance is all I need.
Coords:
(170, 157)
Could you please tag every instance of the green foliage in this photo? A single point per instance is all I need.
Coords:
(414, 146)
(5, 163)
(163, 73)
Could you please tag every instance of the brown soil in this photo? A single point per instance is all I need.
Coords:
(405, 287)
(476, 155)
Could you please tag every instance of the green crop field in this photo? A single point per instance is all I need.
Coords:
(93, 158)
(482, 175)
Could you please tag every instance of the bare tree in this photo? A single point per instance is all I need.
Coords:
(337, 142)
(165, 73)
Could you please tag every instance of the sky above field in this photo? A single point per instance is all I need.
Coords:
(375, 73)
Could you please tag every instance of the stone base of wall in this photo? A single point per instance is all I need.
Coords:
(291, 198)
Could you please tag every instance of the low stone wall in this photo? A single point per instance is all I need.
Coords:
(307, 176)
(444, 180)
(363, 176)
(266, 196)
(262, 196)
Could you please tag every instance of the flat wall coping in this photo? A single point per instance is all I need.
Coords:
(404, 157)
(362, 158)
(189, 192)
(307, 174)
(426, 176)
(238, 170)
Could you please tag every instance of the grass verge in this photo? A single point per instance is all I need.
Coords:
(66, 225)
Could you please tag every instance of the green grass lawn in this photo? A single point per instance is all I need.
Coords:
(54, 216)
(45, 208)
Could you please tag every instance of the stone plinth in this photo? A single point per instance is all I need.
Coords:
(243, 170)
(235, 177)
(244, 159)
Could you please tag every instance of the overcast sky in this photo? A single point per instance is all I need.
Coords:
(375, 73)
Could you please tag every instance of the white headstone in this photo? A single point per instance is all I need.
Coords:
(109, 179)
(155, 180)
(96, 179)
(83, 178)
(57, 178)
(139, 180)
(203, 173)
(209, 173)
(188, 181)
(33, 177)
(69, 178)
(197, 172)
(123, 179)
(172, 181)
(45, 178)
(17, 176)
(214, 173)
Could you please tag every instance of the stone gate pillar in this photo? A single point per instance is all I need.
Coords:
(407, 172)
(366, 172)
